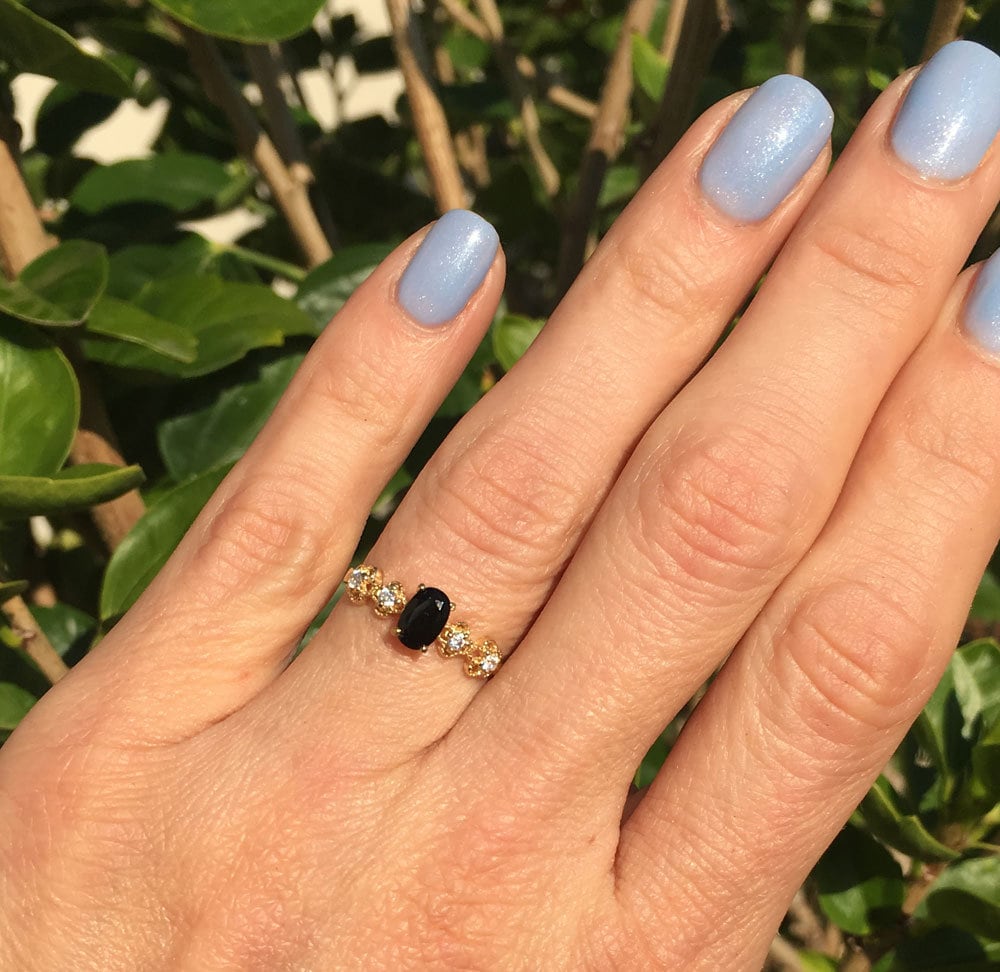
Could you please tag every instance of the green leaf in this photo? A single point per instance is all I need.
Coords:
(816, 962)
(860, 885)
(905, 832)
(981, 791)
(943, 950)
(327, 288)
(178, 180)
(59, 288)
(152, 540)
(11, 589)
(29, 43)
(253, 21)
(227, 319)
(649, 66)
(76, 488)
(125, 321)
(986, 603)
(66, 627)
(975, 668)
(965, 896)
(39, 402)
(14, 704)
(512, 336)
(222, 432)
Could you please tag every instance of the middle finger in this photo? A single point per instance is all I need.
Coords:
(499, 510)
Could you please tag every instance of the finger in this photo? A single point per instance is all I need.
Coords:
(822, 689)
(270, 547)
(735, 480)
(498, 511)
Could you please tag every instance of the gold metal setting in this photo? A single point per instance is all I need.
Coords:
(366, 584)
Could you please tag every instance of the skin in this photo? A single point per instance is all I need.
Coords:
(811, 512)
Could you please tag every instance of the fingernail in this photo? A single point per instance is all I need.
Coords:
(449, 267)
(982, 312)
(768, 145)
(951, 113)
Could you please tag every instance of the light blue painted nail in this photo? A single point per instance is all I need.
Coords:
(768, 145)
(982, 312)
(951, 113)
(449, 267)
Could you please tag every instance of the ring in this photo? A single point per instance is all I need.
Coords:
(423, 619)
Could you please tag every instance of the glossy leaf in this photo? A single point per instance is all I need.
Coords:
(860, 885)
(126, 322)
(227, 319)
(975, 669)
(14, 704)
(177, 180)
(327, 288)
(39, 402)
(145, 550)
(59, 288)
(245, 20)
(10, 589)
(30, 43)
(68, 629)
(512, 336)
(222, 432)
(965, 896)
(905, 832)
(76, 488)
(986, 604)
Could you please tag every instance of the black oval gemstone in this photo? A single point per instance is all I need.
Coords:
(423, 618)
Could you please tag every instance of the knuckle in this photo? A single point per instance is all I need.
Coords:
(880, 265)
(850, 658)
(360, 398)
(266, 540)
(720, 509)
(507, 498)
(946, 450)
(659, 278)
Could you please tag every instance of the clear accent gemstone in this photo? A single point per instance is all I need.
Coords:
(357, 578)
(386, 598)
(457, 641)
(490, 663)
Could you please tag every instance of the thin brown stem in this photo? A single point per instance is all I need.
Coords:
(557, 94)
(22, 235)
(672, 31)
(804, 924)
(548, 174)
(783, 956)
(705, 23)
(429, 118)
(945, 23)
(604, 145)
(33, 641)
(798, 28)
(290, 194)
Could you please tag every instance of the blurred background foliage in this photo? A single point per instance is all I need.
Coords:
(123, 333)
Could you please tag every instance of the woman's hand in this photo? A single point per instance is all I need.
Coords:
(811, 512)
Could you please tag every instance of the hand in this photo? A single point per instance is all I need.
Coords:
(811, 512)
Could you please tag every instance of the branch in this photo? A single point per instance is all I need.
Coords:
(23, 239)
(290, 194)
(429, 118)
(507, 62)
(22, 236)
(33, 641)
(945, 22)
(672, 32)
(706, 22)
(604, 145)
(558, 94)
(805, 924)
(795, 60)
(784, 957)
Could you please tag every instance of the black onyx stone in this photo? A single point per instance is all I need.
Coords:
(423, 618)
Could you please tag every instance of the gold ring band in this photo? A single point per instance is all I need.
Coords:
(424, 619)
